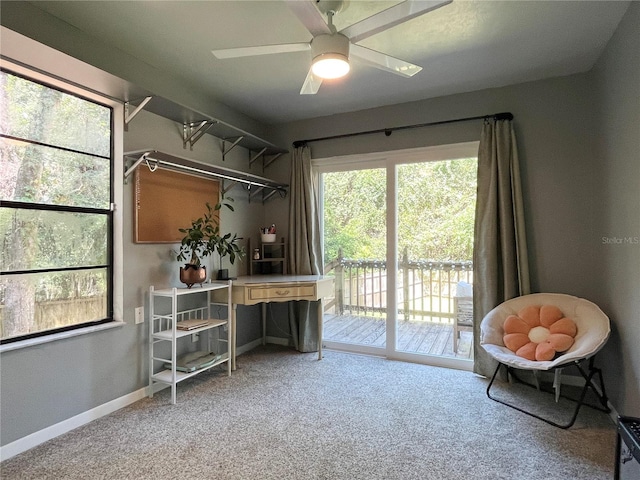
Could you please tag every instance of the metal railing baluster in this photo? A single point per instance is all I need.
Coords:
(360, 286)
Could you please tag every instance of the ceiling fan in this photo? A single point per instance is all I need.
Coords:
(331, 50)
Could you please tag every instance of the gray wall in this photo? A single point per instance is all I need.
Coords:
(578, 144)
(155, 264)
(617, 255)
(554, 120)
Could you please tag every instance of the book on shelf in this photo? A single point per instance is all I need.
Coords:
(191, 324)
(195, 361)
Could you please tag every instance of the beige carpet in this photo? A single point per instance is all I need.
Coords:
(284, 415)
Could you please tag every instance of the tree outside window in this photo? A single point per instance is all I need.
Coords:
(55, 216)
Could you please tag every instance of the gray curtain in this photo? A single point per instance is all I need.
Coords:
(500, 263)
(305, 255)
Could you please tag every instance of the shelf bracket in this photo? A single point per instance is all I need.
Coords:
(231, 184)
(135, 164)
(130, 116)
(255, 157)
(226, 150)
(271, 160)
(268, 195)
(265, 195)
(255, 192)
(193, 132)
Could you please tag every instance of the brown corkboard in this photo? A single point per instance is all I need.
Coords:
(165, 201)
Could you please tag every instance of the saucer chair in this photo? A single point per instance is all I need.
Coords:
(592, 333)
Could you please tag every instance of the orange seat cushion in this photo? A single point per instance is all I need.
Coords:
(538, 333)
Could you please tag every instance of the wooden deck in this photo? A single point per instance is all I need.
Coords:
(414, 336)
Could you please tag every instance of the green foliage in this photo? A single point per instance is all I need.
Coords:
(33, 239)
(40, 113)
(436, 204)
(38, 171)
(354, 213)
(436, 211)
(203, 237)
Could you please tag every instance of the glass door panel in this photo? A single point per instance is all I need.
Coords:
(436, 209)
(354, 219)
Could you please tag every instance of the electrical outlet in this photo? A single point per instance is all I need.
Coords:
(139, 315)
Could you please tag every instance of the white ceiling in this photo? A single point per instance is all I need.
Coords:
(463, 46)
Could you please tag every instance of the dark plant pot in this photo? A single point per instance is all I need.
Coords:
(223, 274)
(192, 274)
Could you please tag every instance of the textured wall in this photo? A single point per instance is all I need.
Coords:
(617, 233)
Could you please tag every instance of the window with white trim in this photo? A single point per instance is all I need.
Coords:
(56, 220)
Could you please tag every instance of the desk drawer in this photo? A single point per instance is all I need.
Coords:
(283, 292)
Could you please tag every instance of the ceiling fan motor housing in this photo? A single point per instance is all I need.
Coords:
(330, 45)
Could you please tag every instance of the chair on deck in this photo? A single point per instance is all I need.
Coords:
(462, 311)
(590, 333)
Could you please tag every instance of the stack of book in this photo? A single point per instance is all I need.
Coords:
(191, 324)
(195, 361)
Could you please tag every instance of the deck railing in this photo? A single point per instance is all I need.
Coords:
(426, 288)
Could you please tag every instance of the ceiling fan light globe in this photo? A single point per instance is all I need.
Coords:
(330, 65)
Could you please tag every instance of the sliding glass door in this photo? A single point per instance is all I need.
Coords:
(355, 245)
(398, 239)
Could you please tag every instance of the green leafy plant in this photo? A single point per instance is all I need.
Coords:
(203, 238)
(226, 245)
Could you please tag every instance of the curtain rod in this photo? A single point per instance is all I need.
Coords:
(389, 131)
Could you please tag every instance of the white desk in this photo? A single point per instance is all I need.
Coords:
(263, 289)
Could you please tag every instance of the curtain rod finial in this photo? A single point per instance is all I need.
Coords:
(503, 116)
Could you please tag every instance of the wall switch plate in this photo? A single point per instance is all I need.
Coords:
(139, 315)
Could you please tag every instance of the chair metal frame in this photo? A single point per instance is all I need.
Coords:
(588, 376)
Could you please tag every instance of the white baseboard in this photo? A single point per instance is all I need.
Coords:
(25, 443)
(34, 439)
(258, 342)
(279, 341)
(248, 346)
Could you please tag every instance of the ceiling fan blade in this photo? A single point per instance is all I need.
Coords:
(311, 84)
(390, 17)
(383, 61)
(310, 16)
(260, 50)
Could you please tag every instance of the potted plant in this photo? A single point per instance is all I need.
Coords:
(193, 247)
(203, 238)
(225, 245)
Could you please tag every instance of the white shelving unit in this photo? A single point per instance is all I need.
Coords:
(164, 333)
